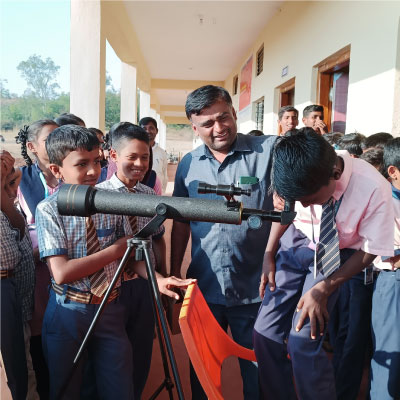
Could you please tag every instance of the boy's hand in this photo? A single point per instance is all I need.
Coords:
(321, 127)
(268, 274)
(279, 203)
(313, 305)
(7, 163)
(120, 246)
(395, 262)
(165, 284)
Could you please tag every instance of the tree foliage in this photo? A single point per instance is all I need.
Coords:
(40, 100)
(40, 76)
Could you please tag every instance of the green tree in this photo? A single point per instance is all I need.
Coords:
(4, 92)
(40, 76)
(113, 103)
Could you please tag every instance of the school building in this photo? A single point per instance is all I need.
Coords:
(344, 55)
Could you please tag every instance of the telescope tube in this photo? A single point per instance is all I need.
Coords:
(83, 200)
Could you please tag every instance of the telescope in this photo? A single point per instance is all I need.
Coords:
(83, 200)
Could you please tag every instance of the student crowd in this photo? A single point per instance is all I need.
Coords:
(330, 281)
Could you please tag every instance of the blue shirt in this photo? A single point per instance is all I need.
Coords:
(66, 235)
(227, 259)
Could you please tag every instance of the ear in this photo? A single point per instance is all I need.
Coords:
(304, 120)
(113, 155)
(336, 173)
(55, 170)
(393, 172)
(194, 128)
(234, 113)
(31, 147)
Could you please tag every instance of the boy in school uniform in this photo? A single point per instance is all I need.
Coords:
(385, 363)
(330, 245)
(82, 255)
(130, 150)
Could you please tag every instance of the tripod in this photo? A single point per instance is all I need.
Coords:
(141, 244)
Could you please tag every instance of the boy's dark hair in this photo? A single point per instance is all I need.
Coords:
(204, 97)
(377, 140)
(374, 157)
(126, 131)
(284, 109)
(69, 119)
(302, 164)
(256, 132)
(30, 134)
(69, 138)
(332, 137)
(312, 108)
(352, 142)
(96, 131)
(391, 154)
(148, 120)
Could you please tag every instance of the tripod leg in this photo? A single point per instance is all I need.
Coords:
(161, 319)
(167, 383)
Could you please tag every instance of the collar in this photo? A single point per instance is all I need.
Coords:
(343, 182)
(117, 183)
(241, 144)
(395, 193)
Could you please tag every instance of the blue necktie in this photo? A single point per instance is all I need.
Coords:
(328, 254)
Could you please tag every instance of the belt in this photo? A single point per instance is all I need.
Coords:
(83, 297)
(6, 273)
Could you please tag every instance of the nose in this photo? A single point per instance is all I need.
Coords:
(92, 169)
(218, 126)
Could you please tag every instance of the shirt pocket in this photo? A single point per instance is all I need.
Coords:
(106, 236)
(256, 197)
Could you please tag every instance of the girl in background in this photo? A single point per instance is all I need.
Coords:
(37, 183)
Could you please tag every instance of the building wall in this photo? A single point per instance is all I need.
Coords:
(302, 34)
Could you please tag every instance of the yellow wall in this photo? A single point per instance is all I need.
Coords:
(302, 34)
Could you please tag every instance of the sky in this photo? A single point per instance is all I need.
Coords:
(40, 27)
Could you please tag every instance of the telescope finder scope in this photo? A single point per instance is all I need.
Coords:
(222, 190)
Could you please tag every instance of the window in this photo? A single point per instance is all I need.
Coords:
(259, 114)
(333, 84)
(260, 60)
(235, 84)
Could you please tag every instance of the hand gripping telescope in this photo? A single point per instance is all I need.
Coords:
(83, 200)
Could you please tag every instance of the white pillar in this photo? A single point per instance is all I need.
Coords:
(162, 134)
(88, 63)
(144, 104)
(128, 93)
(152, 113)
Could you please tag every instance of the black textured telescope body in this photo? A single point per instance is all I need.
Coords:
(83, 200)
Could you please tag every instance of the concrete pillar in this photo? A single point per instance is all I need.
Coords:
(162, 134)
(128, 93)
(152, 113)
(144, 104)
(88, 63)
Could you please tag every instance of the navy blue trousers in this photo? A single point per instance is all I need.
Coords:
(109, 351)
(139, 319)
(12, 340)
(385, 364)
(350, 335)
(275, 334)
